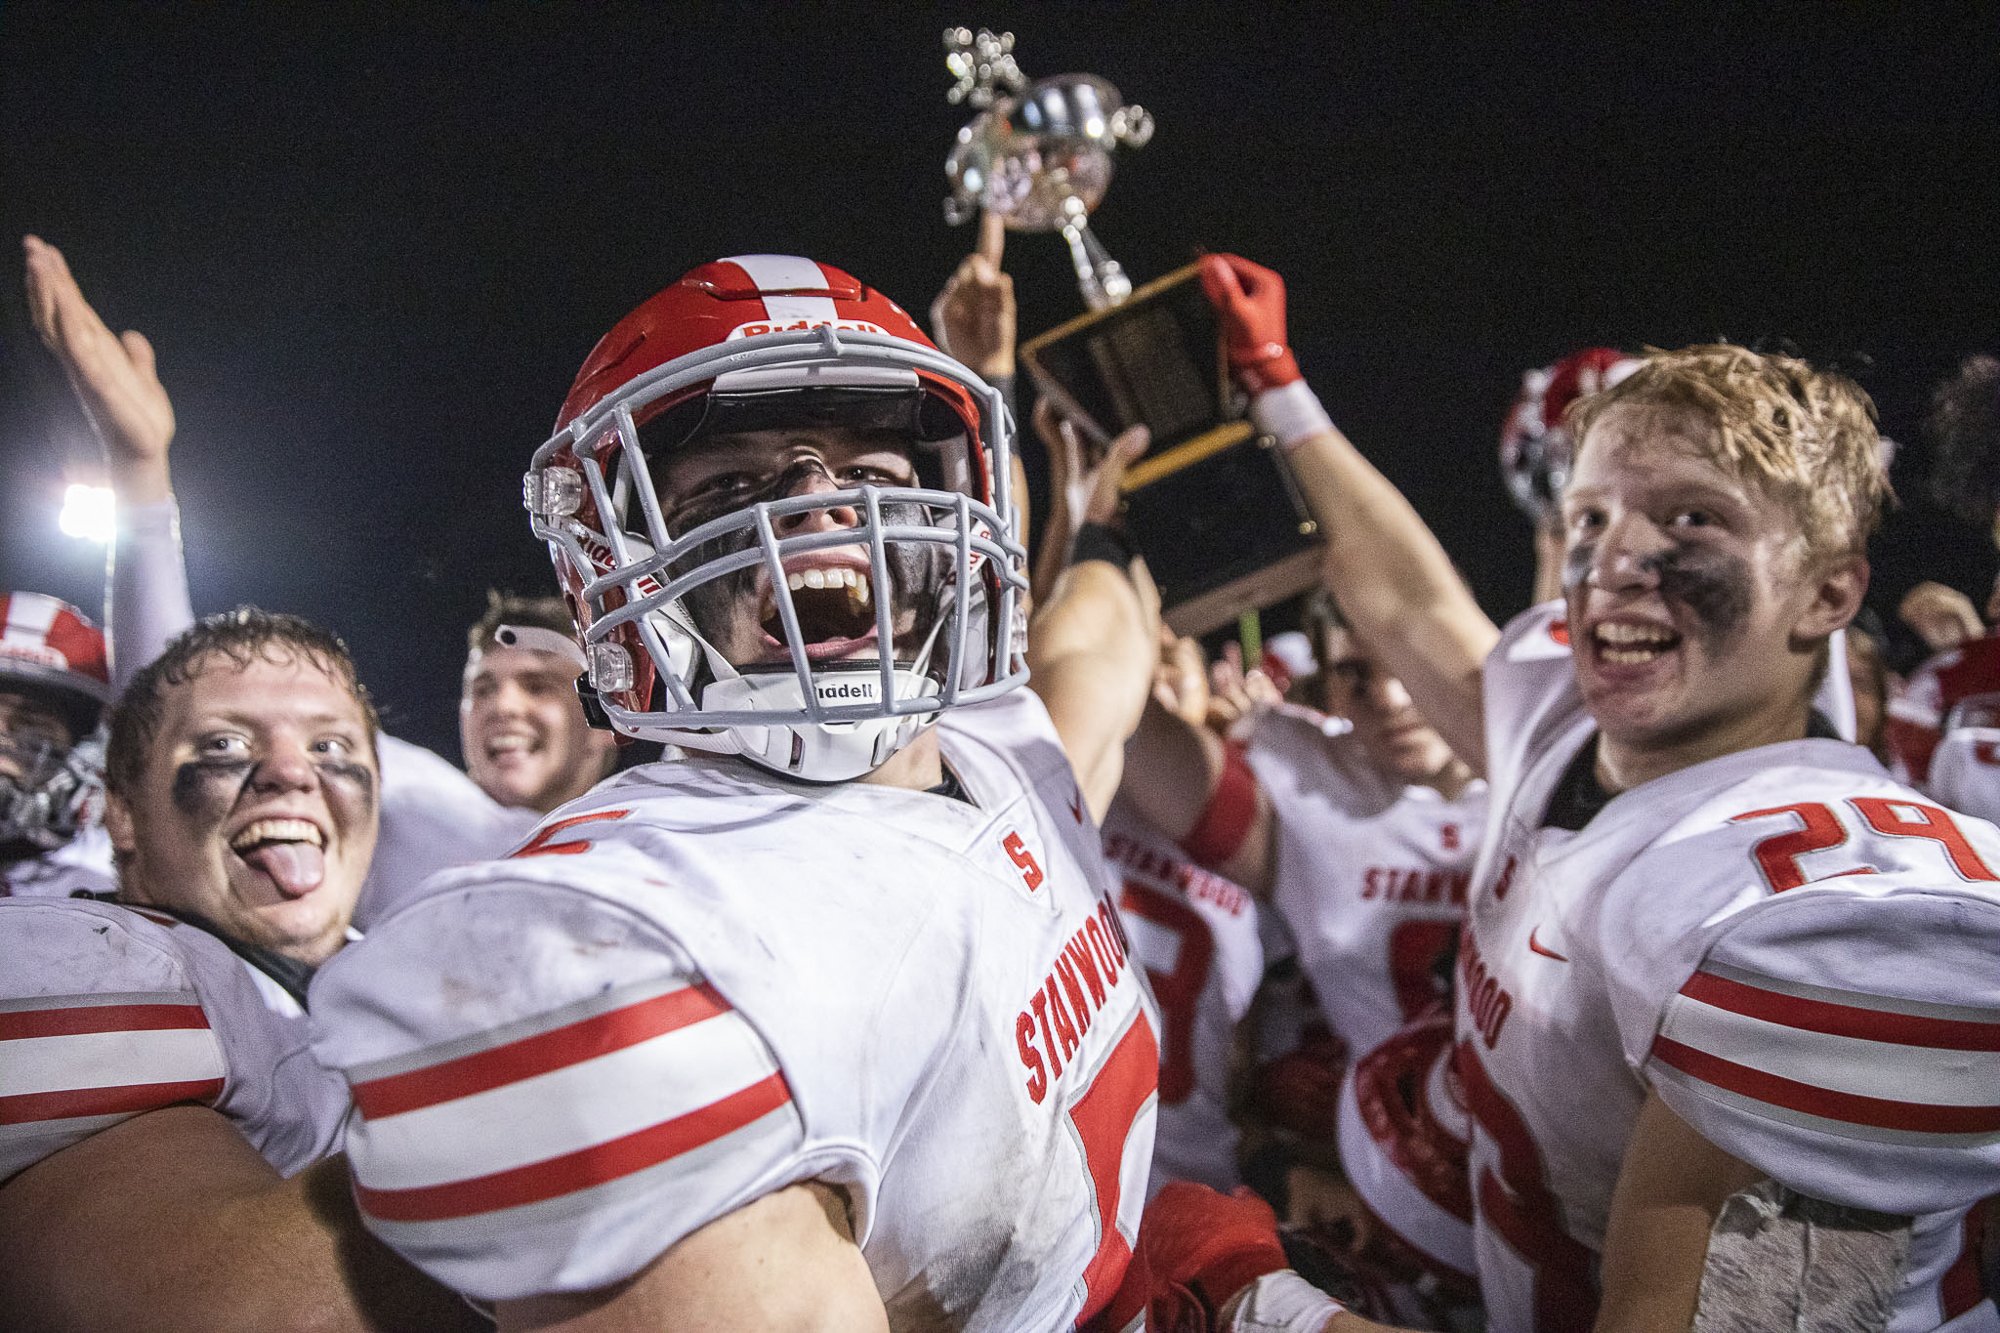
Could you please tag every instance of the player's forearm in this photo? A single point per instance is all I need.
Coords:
(1058, 535)
(1397, 587)
(1670, 1190)
(786, 1260)
(146, 600)
(171, 1220)
(1090, 658)
(1171, 768)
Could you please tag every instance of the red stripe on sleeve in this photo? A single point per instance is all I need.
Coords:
(1879, 1112)
(127, 1099)
(1232, 808)
(558, 1048)
(578, 1170)
(85, 1018)
(1842, 1020)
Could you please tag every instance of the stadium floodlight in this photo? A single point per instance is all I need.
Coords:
(88, 513)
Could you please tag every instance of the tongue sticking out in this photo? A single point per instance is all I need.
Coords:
(295, 867)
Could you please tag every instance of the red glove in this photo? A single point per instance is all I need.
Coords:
(1196, 1250)
(1251, 301)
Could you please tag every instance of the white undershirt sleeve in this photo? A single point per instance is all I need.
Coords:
(146, 587)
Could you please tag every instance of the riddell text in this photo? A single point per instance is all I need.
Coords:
(1062, 1007)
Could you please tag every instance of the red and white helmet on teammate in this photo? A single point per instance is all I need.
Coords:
(1403, 1139)
(1535, 447)
(926, 612)
(51, 658)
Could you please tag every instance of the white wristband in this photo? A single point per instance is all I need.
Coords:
(1290, 413)
(1283, 1302)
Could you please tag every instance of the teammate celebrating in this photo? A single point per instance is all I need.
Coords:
(54, 680)
(524, 736)
(1710, 953)
(159, 1089)
(1358, 825)
(831, 1022)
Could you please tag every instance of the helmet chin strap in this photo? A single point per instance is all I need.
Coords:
(825, 751)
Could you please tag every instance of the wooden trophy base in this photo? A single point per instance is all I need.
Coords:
(1211, 504)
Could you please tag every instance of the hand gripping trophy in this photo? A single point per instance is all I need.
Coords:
(1201, 504)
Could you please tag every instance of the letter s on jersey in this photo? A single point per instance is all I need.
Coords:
(1024, 860)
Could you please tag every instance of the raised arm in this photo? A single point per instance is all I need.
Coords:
(1395, 583)
(1191, 786)
(1091, 643)
(146, 595)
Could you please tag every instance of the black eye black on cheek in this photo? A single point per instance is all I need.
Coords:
(1576, 564)
(206, 783)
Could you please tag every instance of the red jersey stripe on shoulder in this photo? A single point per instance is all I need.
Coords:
(1825, 1103)
(1841, 1020)
(126, 1099)
(58, 1021)
(580, 1170)
(558, 1048)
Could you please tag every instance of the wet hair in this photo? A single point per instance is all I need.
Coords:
(512, 608)
(1964, 428)
(241, 637)
(1806, 437)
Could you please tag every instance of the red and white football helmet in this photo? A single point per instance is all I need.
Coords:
(1535, 447)
(51, 653)
(1404, 1131)
(762, 342)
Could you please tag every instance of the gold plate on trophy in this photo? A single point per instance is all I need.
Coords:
(1154, 359)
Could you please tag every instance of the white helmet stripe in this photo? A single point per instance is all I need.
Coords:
(30, 617)
(786, 272)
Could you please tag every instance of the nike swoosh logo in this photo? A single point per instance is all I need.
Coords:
(1543, 950)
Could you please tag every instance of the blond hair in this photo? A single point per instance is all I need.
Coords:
(1807, 437)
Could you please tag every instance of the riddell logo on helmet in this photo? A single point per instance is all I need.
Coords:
(39, 654)
(764, 326)
(860, 691)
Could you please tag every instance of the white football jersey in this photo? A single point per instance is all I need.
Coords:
(1965, 771)
(1195, 934)
(700, 984)
(80, 868)
(1792, 949)
(107, 1012)
(1371, 875)
(433, 817)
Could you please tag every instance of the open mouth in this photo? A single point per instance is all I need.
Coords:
(1628, 643)
(510, 746)
(835, 606)
(291, 852)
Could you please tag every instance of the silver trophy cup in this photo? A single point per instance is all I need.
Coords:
(1039, 155)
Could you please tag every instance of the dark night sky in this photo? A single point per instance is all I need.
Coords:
(373, 245)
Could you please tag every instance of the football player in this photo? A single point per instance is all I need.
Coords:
(1718, 964)
(1358, 825)
(432, 816)
(166, 1140)
(830, 1023)
(526, 741)
(54, 680)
